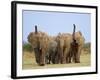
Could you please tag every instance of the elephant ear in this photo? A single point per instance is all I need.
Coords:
(79, 38)
(32, 39)
(29, 38)
(80, 33)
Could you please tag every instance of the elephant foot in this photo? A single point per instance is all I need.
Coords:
(63, 62)
(48, 62)
(68, 62)
(42, 64)
(77, 61)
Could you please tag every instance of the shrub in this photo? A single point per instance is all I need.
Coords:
(87, 47)
(27, 47)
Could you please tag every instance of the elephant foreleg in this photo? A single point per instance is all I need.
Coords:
(77, 56)
(68, 60)
(65, 56)
(42, 57)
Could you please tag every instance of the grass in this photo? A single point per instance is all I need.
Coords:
(29, 62)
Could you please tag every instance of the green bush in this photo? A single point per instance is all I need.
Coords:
(27, 47)
(87, 47)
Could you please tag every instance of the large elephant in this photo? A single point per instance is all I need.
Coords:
(39, 42)
(77, 46)
(44, 47)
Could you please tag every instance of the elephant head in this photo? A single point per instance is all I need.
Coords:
(39, 42)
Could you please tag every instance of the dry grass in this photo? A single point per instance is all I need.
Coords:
(29, 62)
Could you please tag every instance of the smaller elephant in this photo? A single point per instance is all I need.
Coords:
(52, 50)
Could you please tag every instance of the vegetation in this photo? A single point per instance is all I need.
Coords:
(87, 47)
(27, 47)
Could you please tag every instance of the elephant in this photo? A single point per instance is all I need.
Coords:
(39, 42)
(63, 47)
(44, 47)
(52, 51)
(76, 47)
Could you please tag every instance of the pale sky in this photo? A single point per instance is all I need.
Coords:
(55, 22)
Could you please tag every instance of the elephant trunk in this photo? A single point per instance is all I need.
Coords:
(74, 32)
(36, 31)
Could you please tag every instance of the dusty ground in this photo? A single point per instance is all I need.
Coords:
(29, 62)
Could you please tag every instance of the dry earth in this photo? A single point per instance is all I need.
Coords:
(29, 62)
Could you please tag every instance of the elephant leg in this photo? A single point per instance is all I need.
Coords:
(74, 56)
(69, 57)
(58, 56)
(47, 59)
(77, 56)
(66, 56)
(62, 57)
(42, 57)
(57, 59)
(53, 58)
(37, 55)
(76, 52)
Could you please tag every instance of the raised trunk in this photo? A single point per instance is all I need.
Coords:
(74, 32)
(36, 31)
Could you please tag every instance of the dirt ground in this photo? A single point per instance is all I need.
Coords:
(29, 62)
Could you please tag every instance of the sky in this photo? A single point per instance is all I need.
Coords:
(55, 22)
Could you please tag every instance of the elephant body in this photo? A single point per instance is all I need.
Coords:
(63, 47)
(44, 47)
(52, 51)
(39, 42)
(76, 51)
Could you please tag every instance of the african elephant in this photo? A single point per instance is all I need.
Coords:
(44, 47)
(79, 43)
(39, 42)
(65, 52)
(52, 51)
(63, 47)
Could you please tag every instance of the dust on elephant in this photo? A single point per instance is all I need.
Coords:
(39, 42)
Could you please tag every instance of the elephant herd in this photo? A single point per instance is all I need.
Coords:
(61, 49)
